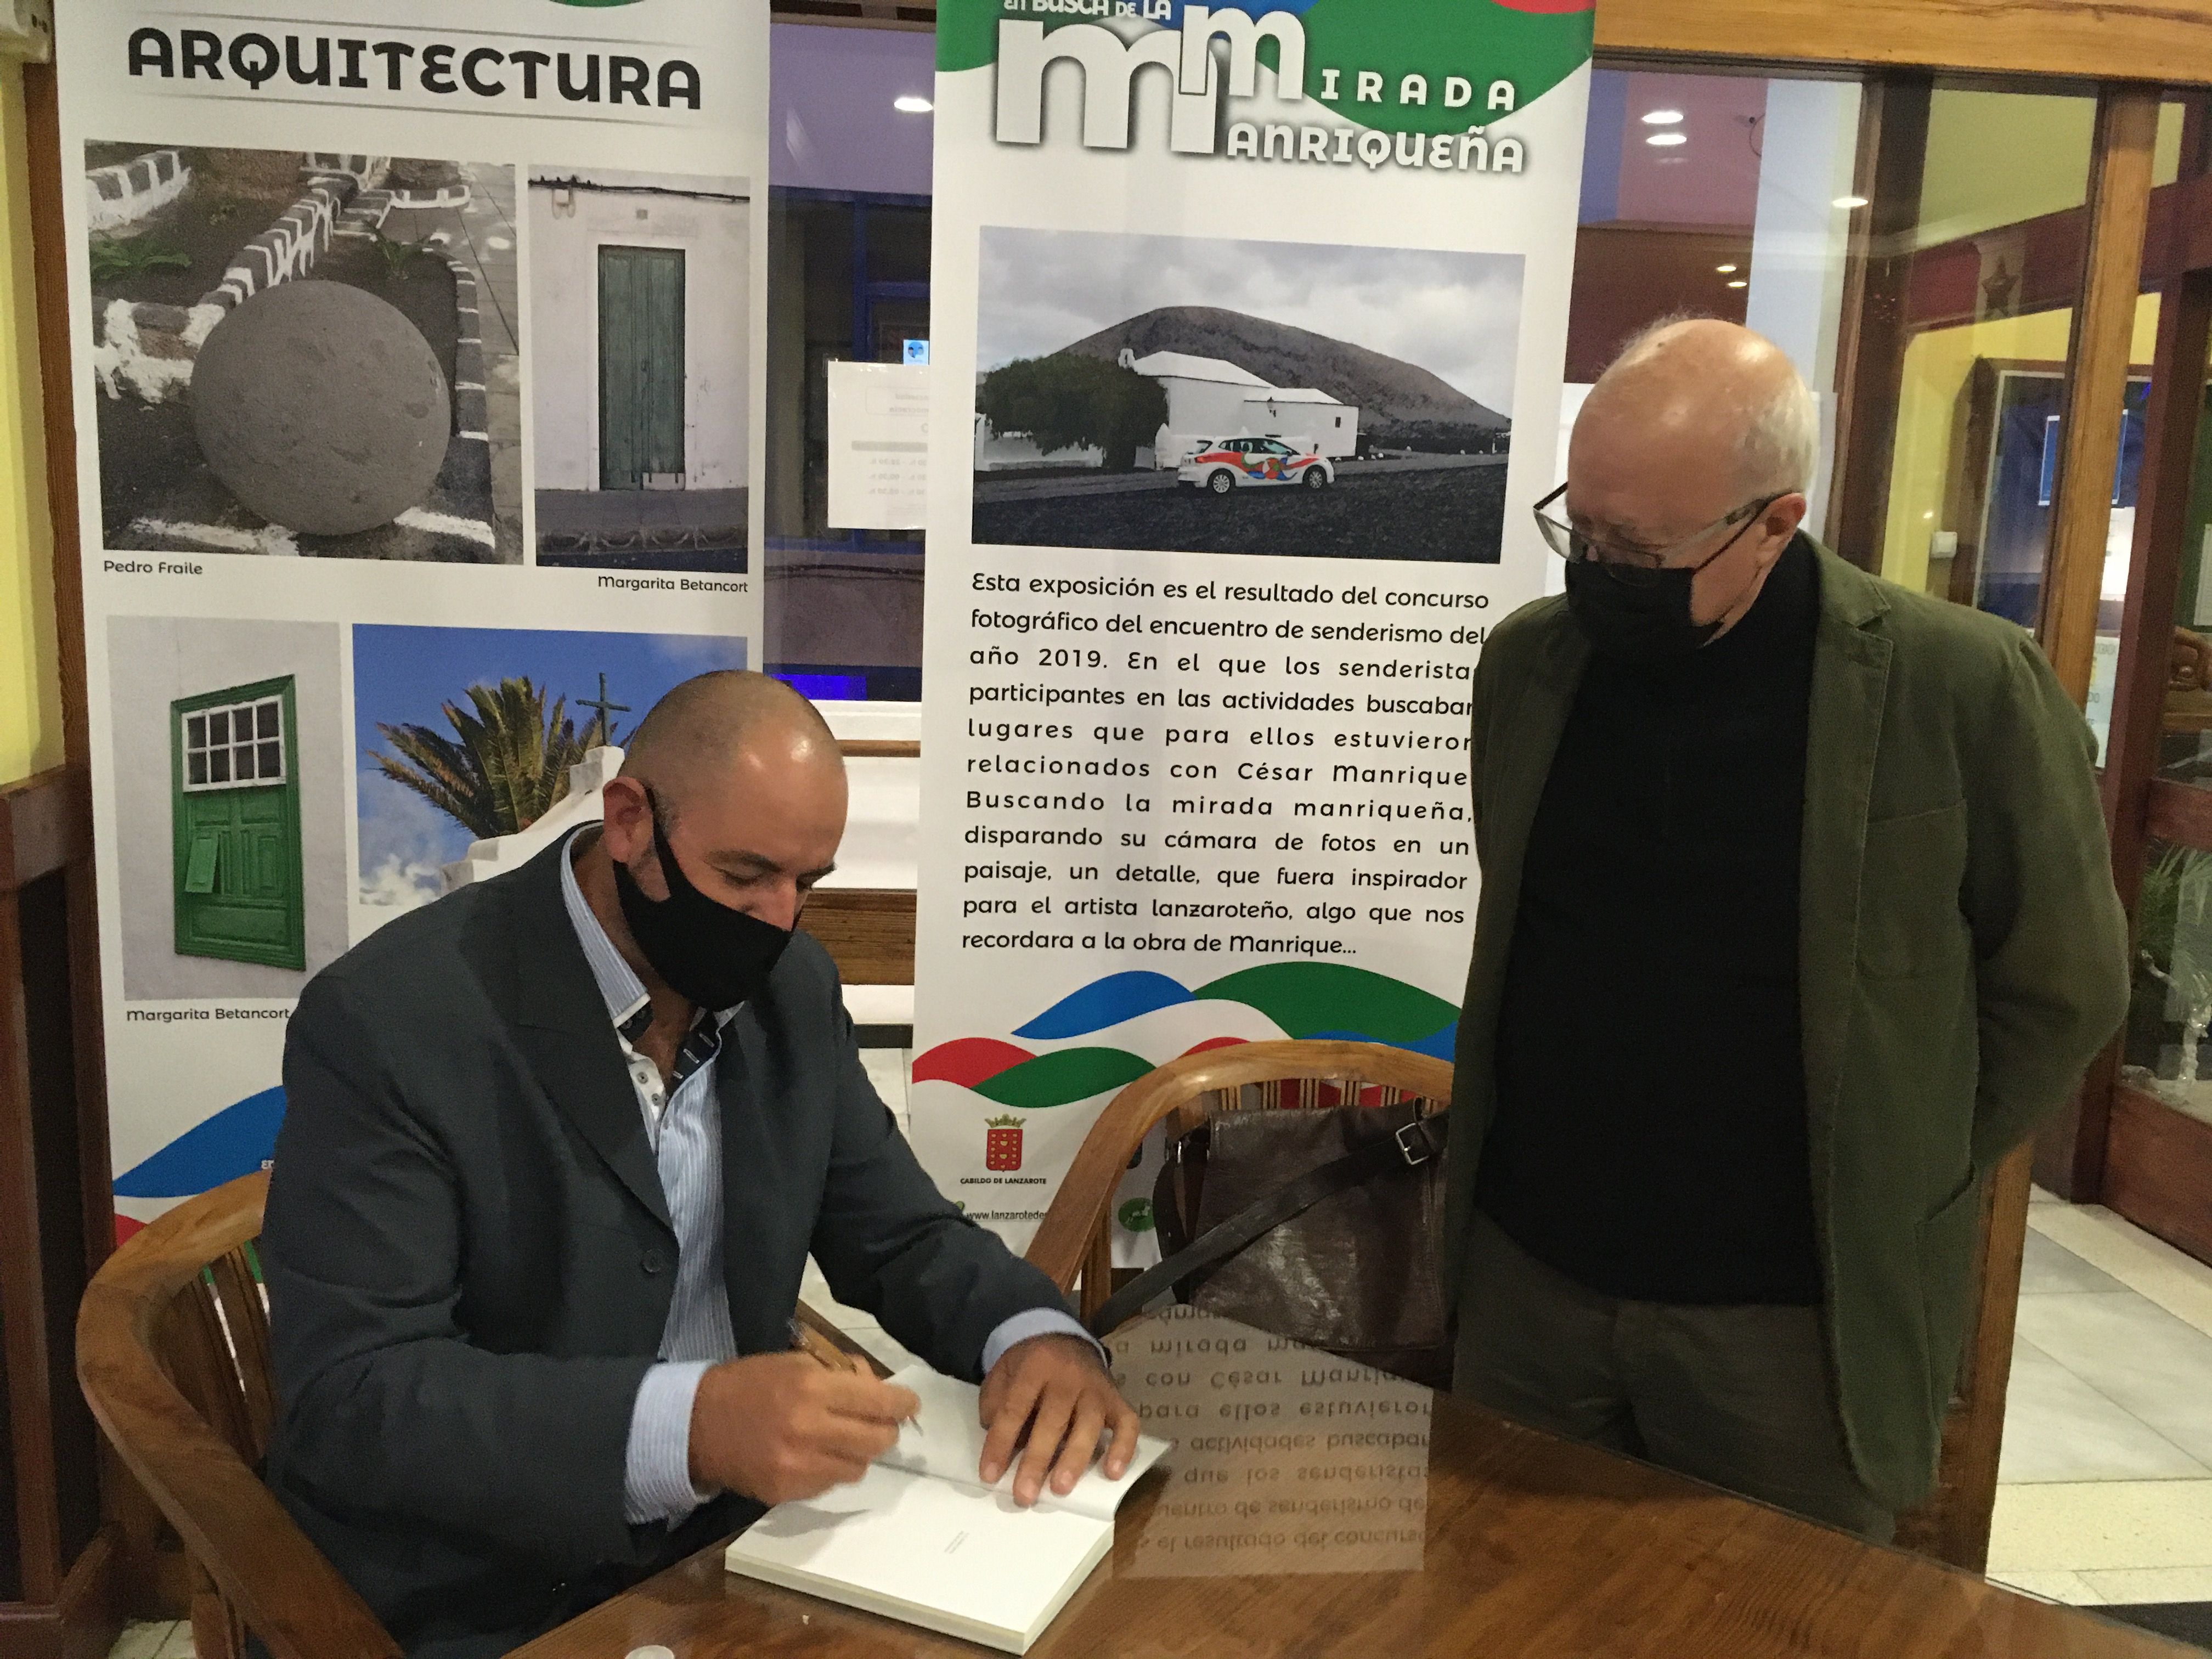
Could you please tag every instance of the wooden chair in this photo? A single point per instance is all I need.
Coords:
(1074, 1244)
(173, 1354)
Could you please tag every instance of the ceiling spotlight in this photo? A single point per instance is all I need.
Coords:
(1739, 283)
(1663, 117)
(1725, 271)
(909, 103)
(1666, 139)
(1850, 203)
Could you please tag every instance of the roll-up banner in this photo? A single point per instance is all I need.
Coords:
(419, 391)
(1249, 326)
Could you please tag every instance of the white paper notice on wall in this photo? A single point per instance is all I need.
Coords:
(878, 446)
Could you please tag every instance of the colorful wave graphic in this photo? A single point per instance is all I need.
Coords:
(1304, 1000)
(237, 1140)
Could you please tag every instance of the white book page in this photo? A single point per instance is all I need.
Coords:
(947, 1442)
(950, 1558)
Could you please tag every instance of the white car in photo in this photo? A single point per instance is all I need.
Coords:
(1221, 465)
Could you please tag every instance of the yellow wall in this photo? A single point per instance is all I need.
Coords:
(30, 689)
(1937, 367)
(1996, 158)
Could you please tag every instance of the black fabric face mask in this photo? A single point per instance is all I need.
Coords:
(713, 956)
(1643, 621)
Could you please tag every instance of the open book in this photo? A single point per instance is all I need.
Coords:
(920, 1538)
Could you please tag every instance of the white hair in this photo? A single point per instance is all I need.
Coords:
(1780, 448)
(1780, 451)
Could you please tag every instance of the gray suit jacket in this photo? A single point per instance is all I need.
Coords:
(470, 1260)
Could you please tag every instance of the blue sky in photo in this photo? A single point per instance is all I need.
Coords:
(404, 676)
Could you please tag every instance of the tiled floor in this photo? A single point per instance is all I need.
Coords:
(2105, 1493)
(166, 1639)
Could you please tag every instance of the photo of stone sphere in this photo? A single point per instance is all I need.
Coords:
(305, 354)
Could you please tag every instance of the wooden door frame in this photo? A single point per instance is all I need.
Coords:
(2064, 38)
(2120, 1145)
(2073, 1154)
(2147, 1160)
(2054, 39)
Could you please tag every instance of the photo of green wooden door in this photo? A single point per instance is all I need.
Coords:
(235, 812)
(640, 367)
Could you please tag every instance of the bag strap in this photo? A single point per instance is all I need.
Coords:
(1414, 1143)
(1181, 1173)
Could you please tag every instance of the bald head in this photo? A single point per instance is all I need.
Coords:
(1714, 398)
(713, 726)
(748, 788)
(1695, 425)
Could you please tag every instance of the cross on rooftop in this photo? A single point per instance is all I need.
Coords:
(607, 710)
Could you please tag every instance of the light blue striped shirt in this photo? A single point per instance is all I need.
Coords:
(685, 1129)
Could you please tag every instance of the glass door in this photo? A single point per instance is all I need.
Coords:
(2154, 1160)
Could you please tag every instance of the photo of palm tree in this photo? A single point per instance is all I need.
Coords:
(505, 765)
(466, 734)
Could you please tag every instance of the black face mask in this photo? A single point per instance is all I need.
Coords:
(1644, 619)
(710, 955)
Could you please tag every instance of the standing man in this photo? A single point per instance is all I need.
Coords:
(1797, 916)
(555, 1150)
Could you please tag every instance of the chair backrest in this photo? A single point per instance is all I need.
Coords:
(1074, 1242)
(172, 1354)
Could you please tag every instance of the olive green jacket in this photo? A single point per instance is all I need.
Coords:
(1962, 955)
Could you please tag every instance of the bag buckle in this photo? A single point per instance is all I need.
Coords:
(1406, 1135)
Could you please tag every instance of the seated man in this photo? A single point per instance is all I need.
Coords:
(556, 1150)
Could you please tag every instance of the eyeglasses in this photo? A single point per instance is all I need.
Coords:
(1642, 565)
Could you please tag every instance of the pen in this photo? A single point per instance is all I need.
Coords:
(823, 1352)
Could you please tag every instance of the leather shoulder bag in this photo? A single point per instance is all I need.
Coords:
(1320, 1223)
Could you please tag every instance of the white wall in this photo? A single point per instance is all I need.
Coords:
(1800, 238)
(154, 660)
(564, 327)
(881, 845)
(1332, 428)
(1211, 408)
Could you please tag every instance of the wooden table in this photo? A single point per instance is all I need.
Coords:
(1407, 1524)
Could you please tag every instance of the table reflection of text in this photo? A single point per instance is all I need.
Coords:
(1287, 1460)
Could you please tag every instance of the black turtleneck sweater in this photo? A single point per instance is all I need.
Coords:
(1649, 1140)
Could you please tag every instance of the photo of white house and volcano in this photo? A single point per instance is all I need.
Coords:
(1187, 393)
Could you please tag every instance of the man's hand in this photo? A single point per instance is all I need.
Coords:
(1052, 1392)
(777, 1427)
